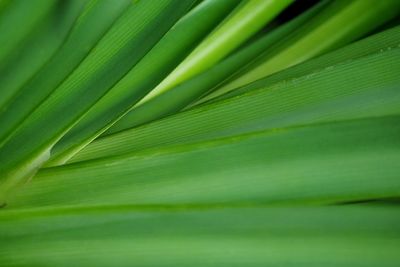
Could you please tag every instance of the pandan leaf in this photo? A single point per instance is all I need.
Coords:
(199, 133)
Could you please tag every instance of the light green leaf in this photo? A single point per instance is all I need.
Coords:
(340, 23)
(378, 43)
(249, 17)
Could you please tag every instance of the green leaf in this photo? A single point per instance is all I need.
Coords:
(284, 46)
(358, 235)
(19, 21)
(179, 97)
(322, 163)
(39, 48)
(377, 43)
(249, 17)
(93, 22)
(143, 77)
(315, 92)
(340, 23)
(298, 168)
(130, 38)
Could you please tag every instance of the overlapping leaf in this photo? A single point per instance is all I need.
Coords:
(333, 26)
(331, 88)
(121, 48)
(143, 77)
